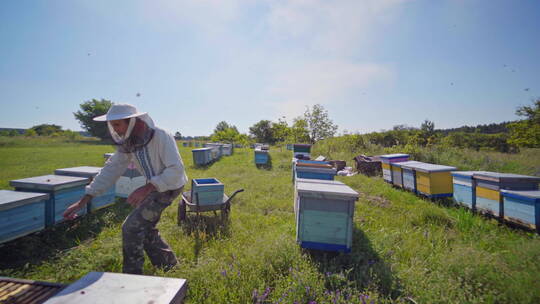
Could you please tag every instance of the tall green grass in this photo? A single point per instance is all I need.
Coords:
(405, 249)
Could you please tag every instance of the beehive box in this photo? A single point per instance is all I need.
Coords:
(17, 291)
(433, 180)
(387, 159)
(312, 169)
(522, 207)
(63, 191)
(202, 156)
(301, 151)
(261, 157)
(21, 213)
(119, 288)
(464, 186)
(184, 144)
(207, 191)
(397, 173)
(98, 202)
(289, 147)
(324, 215)
(489, 184)
(217, 150)
(227, 149)
(408, 175)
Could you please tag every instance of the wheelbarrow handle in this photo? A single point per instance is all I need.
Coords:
(232, 195)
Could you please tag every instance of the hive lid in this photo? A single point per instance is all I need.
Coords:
(405, 163)
(530, 195)
(428, 168)
(201, 149)
(107, 155)
(85, 171)
(467, 174)
(11, 199)
(106, 287)
(318, 181)
(326, 188)
(396, 155)
(505, 177)
(49, 182)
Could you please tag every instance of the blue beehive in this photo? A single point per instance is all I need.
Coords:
(202, 156)
(227, 149)
(21, 213)
(489, 185)
(98, 202)
(63, 191)
(261, 157)
(324, 214)
(465, 188)
(313, 169)
(207, 191)
(522, 207)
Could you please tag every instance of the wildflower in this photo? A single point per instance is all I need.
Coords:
(224, 273)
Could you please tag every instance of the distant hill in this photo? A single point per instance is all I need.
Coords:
(484, 129)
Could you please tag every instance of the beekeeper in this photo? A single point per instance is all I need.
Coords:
(157, 158)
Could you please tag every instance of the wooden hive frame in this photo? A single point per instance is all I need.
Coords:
(17, 291)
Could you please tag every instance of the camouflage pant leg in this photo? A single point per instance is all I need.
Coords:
(139, 232)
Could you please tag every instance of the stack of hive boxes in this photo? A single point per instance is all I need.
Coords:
(431, 180)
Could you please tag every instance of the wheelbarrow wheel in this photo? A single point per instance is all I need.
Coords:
(181, 212)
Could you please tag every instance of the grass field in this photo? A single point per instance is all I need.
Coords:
(405, 249)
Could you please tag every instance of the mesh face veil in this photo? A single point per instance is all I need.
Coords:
(139, 133)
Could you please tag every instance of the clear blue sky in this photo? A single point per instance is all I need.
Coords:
(372, 64)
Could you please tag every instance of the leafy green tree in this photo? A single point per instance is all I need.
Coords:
(46, 129)
(280, 130)
(30, 133)
(13, 133)
(223, 125)
(4, 133)
(526, 132)
(299, 132)
(89, 110)
(228, 135)
(262, 132)
(178, 135)
(320, 126)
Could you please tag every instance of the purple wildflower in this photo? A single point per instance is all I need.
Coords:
(307, 290)
(224, 273)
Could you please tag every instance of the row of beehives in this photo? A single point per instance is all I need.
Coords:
(324, 208)
(510, 197)
(96, 287)
(211, 152)
(261, 154)
(39, 202)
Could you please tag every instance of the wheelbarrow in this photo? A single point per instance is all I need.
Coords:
(187, 205)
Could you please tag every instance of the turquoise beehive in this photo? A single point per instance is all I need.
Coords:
(98, 202)
(522, 207)
(63, 191)
(21, 213)
(324, 214)
(206, 191)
